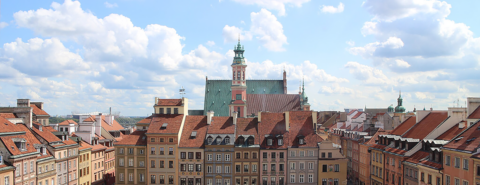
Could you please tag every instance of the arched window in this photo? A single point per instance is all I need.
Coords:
(251, 140)
(209, 139)
(241, 140)
(234, 75)
(219, 140)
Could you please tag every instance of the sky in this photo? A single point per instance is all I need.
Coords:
(86, 56)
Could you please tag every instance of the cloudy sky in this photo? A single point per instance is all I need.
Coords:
(90, 55)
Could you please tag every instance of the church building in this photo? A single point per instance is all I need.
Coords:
(248, 97)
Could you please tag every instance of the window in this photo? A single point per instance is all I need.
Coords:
(254, 168)
(209, 157)
(254, 155)
(7, 181)
(264, 180)
(422, 177)
(198, 155)
(237, 168)
(264, 155)
(130, 177)
(245, 168)
(161, 111)
(438, 180)
(198, 168)
(329, 154)
(292, 165)
(152, 140)
(183, 167)
(219, 169)
(265, 166)
(227, 140)
(302, 153)
(281, 155)
(324, 168)
(310, 178)
(273, 155)
(142, 163)
(152, 149)
(130, 151)
(310, 153)
(273, 181)
(162, 164)
(170, 164)
(292, 153)
(121, 151)
(162, 179)
(292, 178)
(170, 151)
(302, 178)
(190, 167)
(457, 162)
(162, 140)
(465, 182)
(183, 155)
(25, 168)
(170, 179)
(227, 157)
(429, 179)
(465, 164)
(273, 167)
(447, 160)
(302, 166)
(335, 181)
(238, 97)
(190, 155)
(447, 180)
(310, 166)
(237, 155)
(280, 142)
(281, 167)
(227, 169)
(269, 142)
(142, 177)
(152, 179)
(457, 181)
(337, 167)
(130, 163)
(175, 110)
(219, 157)
(162, 152)
(324, 181)
(209, 169)
(169, 110)
(245, 155)
(323, 155)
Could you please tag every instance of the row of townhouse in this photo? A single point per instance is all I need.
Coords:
(33, 151)
(270, 149)
(432, 147)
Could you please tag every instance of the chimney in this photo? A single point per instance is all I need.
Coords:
(23, 102)
(98, 124)
(210, 116)
(259, 117)
(109, 119)
(284, 82)
(287, 121)
(314, 120)
(235, 116)
(156, 100)
(461, 124)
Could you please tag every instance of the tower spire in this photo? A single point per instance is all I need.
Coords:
(238, 38)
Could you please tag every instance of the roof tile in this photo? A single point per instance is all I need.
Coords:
(136, 138)
(404, 126)
(272, 124)
(221, 125)
(169, 102)
(426, 125)
(196, 124)
(173, 121)
(248, 126)
(272, 103)
(469, 140)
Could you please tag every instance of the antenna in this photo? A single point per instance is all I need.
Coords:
(182, 91)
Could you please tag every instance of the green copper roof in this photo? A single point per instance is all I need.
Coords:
(218, 93)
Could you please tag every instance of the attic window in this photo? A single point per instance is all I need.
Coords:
(209, 139)
(458, 139)
(219, 140)
(20, 143)
(164, 126)
(241, 140)
(301, 139)
(193, 135)
(251, 140)
(471, 139)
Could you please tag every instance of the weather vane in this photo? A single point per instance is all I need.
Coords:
(182, 91)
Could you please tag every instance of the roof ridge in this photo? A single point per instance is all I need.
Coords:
(414, 124)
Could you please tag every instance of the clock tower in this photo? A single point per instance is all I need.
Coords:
(239, 83)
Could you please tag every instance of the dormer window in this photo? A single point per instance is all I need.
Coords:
(241, 140)
(44, 151)
(20, 143)
(209, 139)
(193, 135)
(280, 141)
(301, 139)
(227, 140)
(269, 142)
(219, 140)
(251, 141)
(164, 126)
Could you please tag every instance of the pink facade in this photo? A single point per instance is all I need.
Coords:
(273, 167)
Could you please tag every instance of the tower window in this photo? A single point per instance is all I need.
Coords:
(238, 75)
(234, 75)
(238, 97)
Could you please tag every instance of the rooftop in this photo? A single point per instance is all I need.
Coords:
(272, 124)
(272, 103)
(38, 111)
(426, 125)
(197, 125)
(475, 114)
(469, 140)
(301, 125)
(173, 121)
(248, 126)
(452, 132)
(136, 138)
(404, 126)
(169, 102)
(221, 125)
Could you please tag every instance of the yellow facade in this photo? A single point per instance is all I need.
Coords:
(46, 173)
(429, 173)
(6, 174)
(84, 169)
(332, 173)
(376, 168)
(476, 167)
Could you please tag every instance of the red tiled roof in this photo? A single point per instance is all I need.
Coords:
(146, 120)
(169, 102)
(378, 146)
(426, 125)
(38, 111)
(67, 122)
(380, 131)
(28, 136)
(352, 111)
(194, 123)
(136, 138)
(417, 156)
(272, 124)
(248, 126)
(469, 140)
(49, 136)
(301, 124)
(344, 126)
(349, 128)
(475, 114)
(357, 115)
(431, 164)
(174, 122)
(7, 126)
(404, 126)
(396, 150)
(359, 128)
(221, 125)
(272, 103)
(84, 145)
(452, 132)
(7, 115)
(89, 119)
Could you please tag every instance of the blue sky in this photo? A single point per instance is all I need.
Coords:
(91, 55)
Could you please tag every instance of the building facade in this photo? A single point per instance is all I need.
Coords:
(247, 152)
(332, 165)
(130, 153)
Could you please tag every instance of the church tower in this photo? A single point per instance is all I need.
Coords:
(239, 83)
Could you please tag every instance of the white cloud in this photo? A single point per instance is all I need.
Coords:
(332, 9)
(265, 28)
(110, 5)
(367, 74)
(3, 25)
(397, 9)
(336, 89)
(210, 43)
(46, 58)
(231, 34)
(369, 49)
(278, 5)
